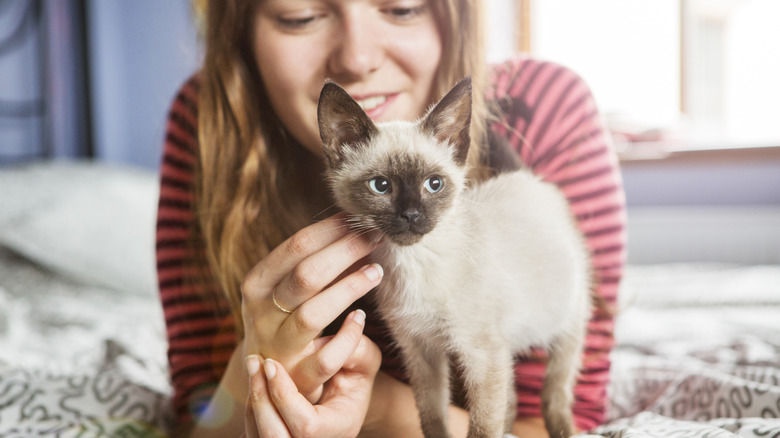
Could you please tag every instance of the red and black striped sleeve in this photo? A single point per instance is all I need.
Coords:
(550, 118)
(200, 333)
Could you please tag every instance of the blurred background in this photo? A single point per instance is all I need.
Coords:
(688, 89)
(91, 77)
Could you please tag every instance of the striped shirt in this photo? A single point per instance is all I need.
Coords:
(548, 117)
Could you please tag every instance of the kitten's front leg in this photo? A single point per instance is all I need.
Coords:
(487, 371)
(428, 370)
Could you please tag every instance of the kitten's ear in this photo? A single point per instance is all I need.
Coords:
(343, 124)
(450, 120)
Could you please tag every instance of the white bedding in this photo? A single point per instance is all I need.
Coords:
(698, 352)
(82, 346)
(77, 358)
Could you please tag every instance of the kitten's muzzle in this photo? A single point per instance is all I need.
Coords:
(411, 215)
(409, 227)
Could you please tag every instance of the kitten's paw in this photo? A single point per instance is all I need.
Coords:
(434, 428)
(559, 427)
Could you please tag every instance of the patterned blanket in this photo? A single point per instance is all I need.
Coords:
(698, 353)
(78, 360)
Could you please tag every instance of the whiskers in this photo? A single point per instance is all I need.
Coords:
(326, 212)
(358, 225)
(362, 225)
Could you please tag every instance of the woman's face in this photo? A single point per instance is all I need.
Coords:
(385, 53)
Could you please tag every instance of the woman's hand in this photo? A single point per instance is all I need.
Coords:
(276, 408)
(310, 275)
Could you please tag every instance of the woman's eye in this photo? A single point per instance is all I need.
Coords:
(433, 184)
(403, 13)
(379, 185)
(295, 22)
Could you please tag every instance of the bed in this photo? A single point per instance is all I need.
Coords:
(83, 352)
(82, 341)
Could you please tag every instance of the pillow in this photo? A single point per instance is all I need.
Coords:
(94, 222)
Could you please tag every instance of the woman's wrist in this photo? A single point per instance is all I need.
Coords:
(225, 412)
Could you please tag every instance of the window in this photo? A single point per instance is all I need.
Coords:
(683, 74)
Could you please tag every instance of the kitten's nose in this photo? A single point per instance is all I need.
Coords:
(411, 215)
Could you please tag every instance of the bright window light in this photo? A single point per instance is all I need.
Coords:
(686, 73)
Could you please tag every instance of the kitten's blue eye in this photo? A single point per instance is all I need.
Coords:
(379, 185)
(433, 184)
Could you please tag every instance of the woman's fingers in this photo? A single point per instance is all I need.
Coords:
(315, 272)
(327, 356)
(315, 314)
(267, 421)
(301, 417)
(297, 412)
(366, 358)
(250, 423)
(279, 262)
(318, 368)
(279, 409)
(304, 265)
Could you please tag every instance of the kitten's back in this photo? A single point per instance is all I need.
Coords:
(522, 231)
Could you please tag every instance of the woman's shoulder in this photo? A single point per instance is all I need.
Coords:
(523, 76)
(186, 98)
(182, 132)
(191, 84)
(180, 146)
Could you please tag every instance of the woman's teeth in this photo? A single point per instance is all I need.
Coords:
(371, 102)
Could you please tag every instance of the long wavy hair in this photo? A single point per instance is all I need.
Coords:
(255, 185)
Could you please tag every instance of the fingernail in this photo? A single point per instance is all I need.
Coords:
(359, 317)
(373, 271)
(252, 364)
(270, 369)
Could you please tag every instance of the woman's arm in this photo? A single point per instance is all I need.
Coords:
(200, 332)
(224, 415)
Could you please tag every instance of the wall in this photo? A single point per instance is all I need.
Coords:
(91, 77)
(705, 206)
(140, 52)
(21, 87)
(711, 177)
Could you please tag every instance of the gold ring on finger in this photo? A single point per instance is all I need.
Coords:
(279, 306)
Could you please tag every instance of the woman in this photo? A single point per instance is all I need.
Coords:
(251, 264)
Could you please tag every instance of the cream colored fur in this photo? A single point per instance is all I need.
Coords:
(505, 269)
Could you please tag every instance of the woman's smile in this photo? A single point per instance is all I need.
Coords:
(375, 106)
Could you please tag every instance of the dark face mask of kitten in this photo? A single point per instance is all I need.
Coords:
(397, 177)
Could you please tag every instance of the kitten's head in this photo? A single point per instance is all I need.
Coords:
(399, 178)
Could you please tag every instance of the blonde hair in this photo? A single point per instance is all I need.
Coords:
(255, 185)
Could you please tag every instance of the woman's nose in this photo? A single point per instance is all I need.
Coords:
(358, 49)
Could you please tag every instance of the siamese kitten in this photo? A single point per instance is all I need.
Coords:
(474, 274)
